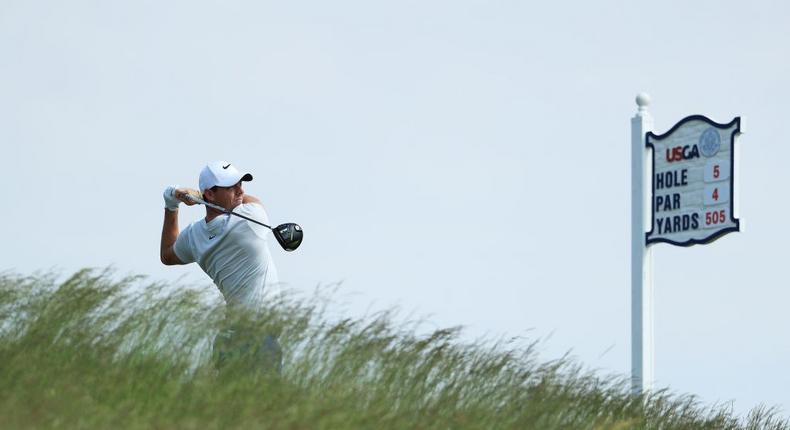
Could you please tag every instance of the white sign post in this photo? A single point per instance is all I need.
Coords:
(683, 192)
(641, 255)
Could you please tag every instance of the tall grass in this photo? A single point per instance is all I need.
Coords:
(95, 351)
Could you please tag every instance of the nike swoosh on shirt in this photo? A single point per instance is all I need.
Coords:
(225, 167)
(212, 237)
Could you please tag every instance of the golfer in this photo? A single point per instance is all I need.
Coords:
(232, 251)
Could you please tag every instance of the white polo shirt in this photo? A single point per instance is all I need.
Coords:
(235, 254)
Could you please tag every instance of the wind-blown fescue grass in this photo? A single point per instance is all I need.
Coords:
(94, 351)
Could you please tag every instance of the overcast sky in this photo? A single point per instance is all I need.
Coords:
(464, 160)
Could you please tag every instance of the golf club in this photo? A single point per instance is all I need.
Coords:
(288, 235)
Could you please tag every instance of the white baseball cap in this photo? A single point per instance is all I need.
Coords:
(220, 173)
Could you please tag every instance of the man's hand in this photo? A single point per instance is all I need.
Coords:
(171, 200)
(174, 196)
(182, 194)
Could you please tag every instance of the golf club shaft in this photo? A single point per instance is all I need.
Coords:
(223, 210)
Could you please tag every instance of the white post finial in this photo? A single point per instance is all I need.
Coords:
(643, 101)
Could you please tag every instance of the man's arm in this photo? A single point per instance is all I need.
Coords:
(169, 236)
(173, 197)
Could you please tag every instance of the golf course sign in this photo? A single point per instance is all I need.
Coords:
(693, 182)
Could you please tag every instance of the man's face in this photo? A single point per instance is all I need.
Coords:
(227, 197)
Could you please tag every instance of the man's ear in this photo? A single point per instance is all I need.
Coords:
(208, 195)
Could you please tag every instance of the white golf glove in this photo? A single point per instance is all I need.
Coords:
(171, 201)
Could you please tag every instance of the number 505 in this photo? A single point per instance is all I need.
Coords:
(717, 217)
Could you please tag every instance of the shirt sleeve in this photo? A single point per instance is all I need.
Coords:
(182, 247)
(256, 212)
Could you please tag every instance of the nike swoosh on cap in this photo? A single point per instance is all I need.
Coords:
(225, 167)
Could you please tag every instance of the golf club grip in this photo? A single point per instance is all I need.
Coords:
(193, 198)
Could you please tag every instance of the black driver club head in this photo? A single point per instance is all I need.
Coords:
(289, 235)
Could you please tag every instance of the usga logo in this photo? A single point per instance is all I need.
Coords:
(680, 153)
(710, 142)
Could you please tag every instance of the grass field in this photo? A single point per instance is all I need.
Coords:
(95, 351)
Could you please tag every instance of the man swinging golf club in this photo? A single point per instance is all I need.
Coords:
(234, 252)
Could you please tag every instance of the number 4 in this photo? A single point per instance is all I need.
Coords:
(716, 193)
